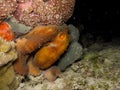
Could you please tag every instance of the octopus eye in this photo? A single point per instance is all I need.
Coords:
(45, 0)
(62, 36)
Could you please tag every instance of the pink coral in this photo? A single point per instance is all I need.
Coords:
(43, 12)
(7, 7)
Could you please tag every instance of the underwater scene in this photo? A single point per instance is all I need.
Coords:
(59, 45)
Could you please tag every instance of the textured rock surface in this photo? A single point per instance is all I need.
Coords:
(73, 53)
(8, 80)
(18, 28)
(44, 12)
(74, 50)
(74, 32)
(97, 70)
(7, 52)
(7, 7)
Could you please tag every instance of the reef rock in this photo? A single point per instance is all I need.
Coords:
(73, 53)
(74, 50)
(44, 12)
(7, 7)
(6, 32)
(51, 52)
(8, 79)
(7, 52)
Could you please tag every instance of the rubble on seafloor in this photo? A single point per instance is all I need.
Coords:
(98, 69)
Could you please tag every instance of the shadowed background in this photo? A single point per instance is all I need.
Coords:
(99, 18)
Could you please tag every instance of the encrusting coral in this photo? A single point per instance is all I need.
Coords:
(6, 32)
(7, 7)
(44, 12)
(30, 42)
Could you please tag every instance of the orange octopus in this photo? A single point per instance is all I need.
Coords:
(51, 52)
(31, 41)
(51, 42)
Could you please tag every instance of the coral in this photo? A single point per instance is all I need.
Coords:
(5, 31)
(44, 12)
(51, 52)
(30, 42)
(7, 7)
(7, 51)
(21, 1)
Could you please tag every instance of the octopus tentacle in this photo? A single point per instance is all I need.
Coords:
(36, 38)
(51, 52)
(30, 42)
(20, 65)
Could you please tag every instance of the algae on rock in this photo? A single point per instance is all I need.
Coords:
(74, 50)
(7, 52)
(98, 69)
(8, 79)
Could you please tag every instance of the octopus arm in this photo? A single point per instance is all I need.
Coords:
(51, 52)
(36, 38)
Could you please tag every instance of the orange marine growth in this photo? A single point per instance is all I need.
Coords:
(35, 38)
(51, 52)
(5, 31)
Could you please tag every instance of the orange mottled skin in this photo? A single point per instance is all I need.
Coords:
(51, 52)
(20, 65)
(33, 69)
(48, 54)
(31, 41)
(36, 38)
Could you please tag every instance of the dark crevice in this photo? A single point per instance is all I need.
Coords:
(98, 18)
